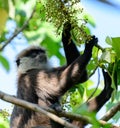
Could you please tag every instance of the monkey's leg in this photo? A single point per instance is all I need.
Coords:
(96, 103)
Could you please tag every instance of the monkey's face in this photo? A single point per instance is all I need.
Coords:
(32, 58)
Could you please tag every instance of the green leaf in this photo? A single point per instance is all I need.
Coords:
(91, 66)
(81, 109)
(4, 63)
(2, 126)
(81, 90)
(3, 122)
(90, 19)
(108, 40)
(108, 56)
(40, 10)
(114, 79)
(118, 73)
(116, 45)
(3, 19)
(4, 4)
(90, 92)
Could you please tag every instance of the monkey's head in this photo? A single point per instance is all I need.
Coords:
(33, 57)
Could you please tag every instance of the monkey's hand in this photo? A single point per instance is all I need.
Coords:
(57, 107)
(66, 28)
(91, 43)
(66, 35)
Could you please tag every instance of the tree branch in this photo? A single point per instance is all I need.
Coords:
(34, 107)
(104, 123)
(18, 31)
(99, 47)
(111, 112)
(49, 112)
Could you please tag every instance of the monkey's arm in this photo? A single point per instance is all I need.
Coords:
(71, 51)
(57, 81)
(96, 103)
(74, 72)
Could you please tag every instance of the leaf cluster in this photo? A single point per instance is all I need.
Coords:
(4, 122)
(58, 12)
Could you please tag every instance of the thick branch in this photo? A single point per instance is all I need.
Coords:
(17, 31)
(69, 115)
(34, 107)
(49, 112)
(111, 112)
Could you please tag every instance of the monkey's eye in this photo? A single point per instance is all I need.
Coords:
(34, 54)
(18, 62)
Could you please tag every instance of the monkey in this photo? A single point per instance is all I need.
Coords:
(43, 85)
(22, 117)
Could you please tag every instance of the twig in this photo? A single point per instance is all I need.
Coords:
(96, 87)
(93, 72)
(99, 47)
(34, 107)
(18, 31)
(111, 112)
(104, 123)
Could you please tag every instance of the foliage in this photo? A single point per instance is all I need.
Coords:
(4, 62)
(4, 122)
(3, 13)
(111, 60)
(60, 11)
(45, 29)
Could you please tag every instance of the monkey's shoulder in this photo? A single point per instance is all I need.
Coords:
(54, 70)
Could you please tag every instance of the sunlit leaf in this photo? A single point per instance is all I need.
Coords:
(4, 63)
(3, 18)
(116, 45)
(3, 122)
(108, 56)
(108, 40)
(4, 8)
(118, 72)
(89, 19)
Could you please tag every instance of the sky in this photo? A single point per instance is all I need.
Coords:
(107, 21)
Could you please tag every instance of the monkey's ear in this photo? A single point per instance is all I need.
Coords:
(18, 62)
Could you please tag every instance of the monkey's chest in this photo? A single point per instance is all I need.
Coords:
(38, 120)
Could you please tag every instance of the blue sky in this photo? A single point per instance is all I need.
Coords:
(107, 24)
